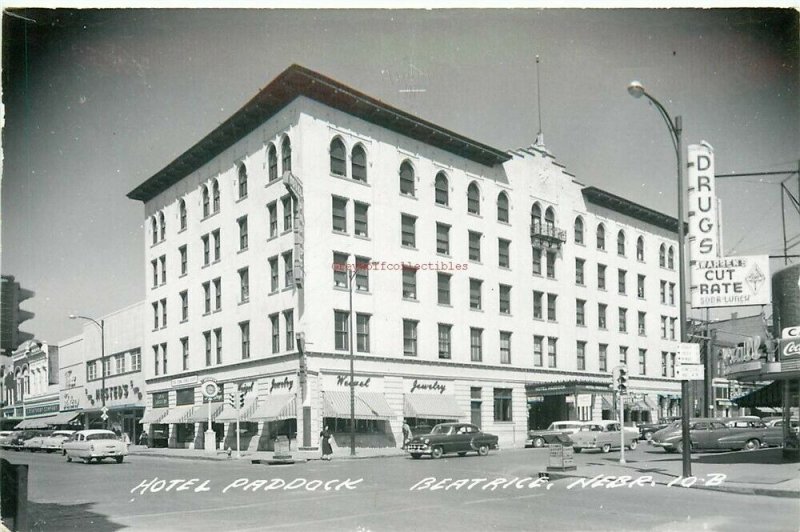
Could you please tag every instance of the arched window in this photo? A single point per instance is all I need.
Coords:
(242, 181)
(272, 162)
(601, 237)
(442, 191)
(579, 230)
(338, 157)
(502, 207)
(206, 202)
(358, 161)
(182, 213)
(621, 243)
(163, 225)
(662, 256)
(406, 179)
(473, 199)
(640, 248)
(536, 217)
(215, 195)
(286, 155)
(671, 258)
(154, 229)
(550, 220)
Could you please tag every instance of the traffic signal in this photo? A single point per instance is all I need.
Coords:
(622, 380)
(240, 399)
(230, 398)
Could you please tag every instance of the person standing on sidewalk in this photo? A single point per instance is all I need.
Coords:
(327, 450)
(406, 434)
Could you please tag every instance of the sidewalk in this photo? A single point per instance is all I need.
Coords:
(762, 472)
(247, 456)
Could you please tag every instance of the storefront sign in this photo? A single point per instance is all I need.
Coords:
(790, 349)
(791, 332)
(70, 402)
(731, 282)
(703, 230)
(182, 381)
(690, 372)
(365, 383)
(43, 409)
(584, 400)
(421, 386)
(161, 400)
(688, 353)
(281, 385)
(112, 392)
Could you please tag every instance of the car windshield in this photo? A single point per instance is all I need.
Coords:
(101, 436)
(442, 429)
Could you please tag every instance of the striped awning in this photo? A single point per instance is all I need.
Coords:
(367, 405)
(154, 415)
(431, 406)
(200, 415)
(228, 414)
(64, 418)
(179, 414)
(275, 407)
(35, 423)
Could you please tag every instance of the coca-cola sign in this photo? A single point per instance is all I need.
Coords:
(790, 348)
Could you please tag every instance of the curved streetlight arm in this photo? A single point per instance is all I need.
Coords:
(76, 316)
(665, 115)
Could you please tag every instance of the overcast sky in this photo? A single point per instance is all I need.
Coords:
(97, 101)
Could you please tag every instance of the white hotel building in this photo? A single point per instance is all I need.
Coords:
(531, 286)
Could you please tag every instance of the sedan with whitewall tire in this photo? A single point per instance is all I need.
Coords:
(445, 438)
(88, 445)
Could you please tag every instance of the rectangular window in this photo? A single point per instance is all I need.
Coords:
(242, 233)
(362, 333)
(502, 404)
(409, 283)
(155, 359)
(217, 293)
(552, 353)
(406, 181)
(640, 286)
(601, 316)
(218, 339)
(185, 353)
(207, 338)
(163, 313)
(272, 210)
(505, 299)
(339, 209)
(206, 251)
(623, 355)
(476, 344)
(136, 361)
(184, 260)
(244, 285)
(623, 320)
(362, 274)
(537, 261)
(286, 203)
(537, 305)
(474, 246)
(551, 307)
(244, 330)
(288, 322)
(164, 358)
(163, 269)
(672, 365)
(503, 253)
(408, 236)
(207, 297)
(361, 219)
(155, 315)
(505, 347)
(217, 245)
(580, 312)
(579, 279)
(621, 281)
(288, 270)
(601, 277)
(107, 367)
(672, 322)
(663, 327)
(410, 338)
(273, 274)
(444, 340)
(663, 292)
(551, 265)
(340, 273)
(538, 352)
(475, 294)
(642, 361)
(664, 359)
(276, 332)
(603, 357)
(184, 305)
(341, 325)
(443, 288)
(581, 351)
(642, 329)
(154, 264)
(442, 239)
(672, 293)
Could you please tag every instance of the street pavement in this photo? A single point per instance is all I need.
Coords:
(497, 492)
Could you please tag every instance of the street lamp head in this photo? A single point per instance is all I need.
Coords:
(73, 316)
(635, 89)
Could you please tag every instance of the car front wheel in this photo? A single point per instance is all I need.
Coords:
(606, 448)
(483, 450)
(69, 458)
(119, 459)
(752, 445)
(538, 442)
(437, 452)
(633, 445)
(648, 436)
(87, 460)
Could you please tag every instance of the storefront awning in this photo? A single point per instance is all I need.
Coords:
(228, 414)
(179, 414)
(639, 405)
(769, 395)
(200, 415)
(607, 403)
(367, 405)
(64, 418)
(431, 406)
(154, 415)
(35, 423)
(275, 407)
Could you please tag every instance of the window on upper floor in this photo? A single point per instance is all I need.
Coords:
(662, 256)
(242, 181)
(215, 195)
(640, 286)
(341, 328)
(640, 249)
(579, 274)
(362, 332)
(505, 347)
(407, 179)
(358, 163)
(550, 220)
(443, 288)
(272, 162)
(409, 283)
(243, 241)
(475, 296)
(473, 199)
(621, 243)
(671, 258)
(339, 214)
(163, 224)
(505, 299)
(580, 312)
(474, 246)
(601, 316)
(288, 212)
(206, 202)
(623, 320)
(503, 253)
(445, 345)
(442, 238)
(154, 229)
(338, 156)
(536, 217)
(408, 233)
(184, 256)
(182, 214)
(601, 237)
(578, 228)
(361, 219)
(410, 338)
(286, 155)
(441, 189)
(502, 207)
(272, 212)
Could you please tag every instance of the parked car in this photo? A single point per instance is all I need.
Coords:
(5, 436)
(35, 443)
(19, 438)
(458, 438)
(603, 436)
(646, 430)
(95, 444)
(54, 442)
(778, 422)
(715, 433)
(553, 434)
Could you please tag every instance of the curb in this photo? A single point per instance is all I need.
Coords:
(253, 459)
(739, 490)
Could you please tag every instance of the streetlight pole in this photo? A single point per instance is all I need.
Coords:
(351, 276)
(637, 90)
(101, 324)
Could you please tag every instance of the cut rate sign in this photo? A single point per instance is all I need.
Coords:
(731, 281)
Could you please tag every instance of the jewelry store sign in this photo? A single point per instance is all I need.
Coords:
(731, 282)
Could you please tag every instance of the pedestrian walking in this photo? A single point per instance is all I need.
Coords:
(406, 434)
(325, 437)
(143, 439)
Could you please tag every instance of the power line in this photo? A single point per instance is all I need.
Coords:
(753, 174)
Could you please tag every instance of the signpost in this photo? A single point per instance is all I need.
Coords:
(688, 353)
(210, 389)
(619, 376)
(690, 372)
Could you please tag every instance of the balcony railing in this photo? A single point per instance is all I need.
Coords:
(547, 235)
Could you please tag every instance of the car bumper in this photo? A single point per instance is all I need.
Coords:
(663, 444)
(418, 448)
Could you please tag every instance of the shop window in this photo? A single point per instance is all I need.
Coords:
(184, 397)
(502, 404)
